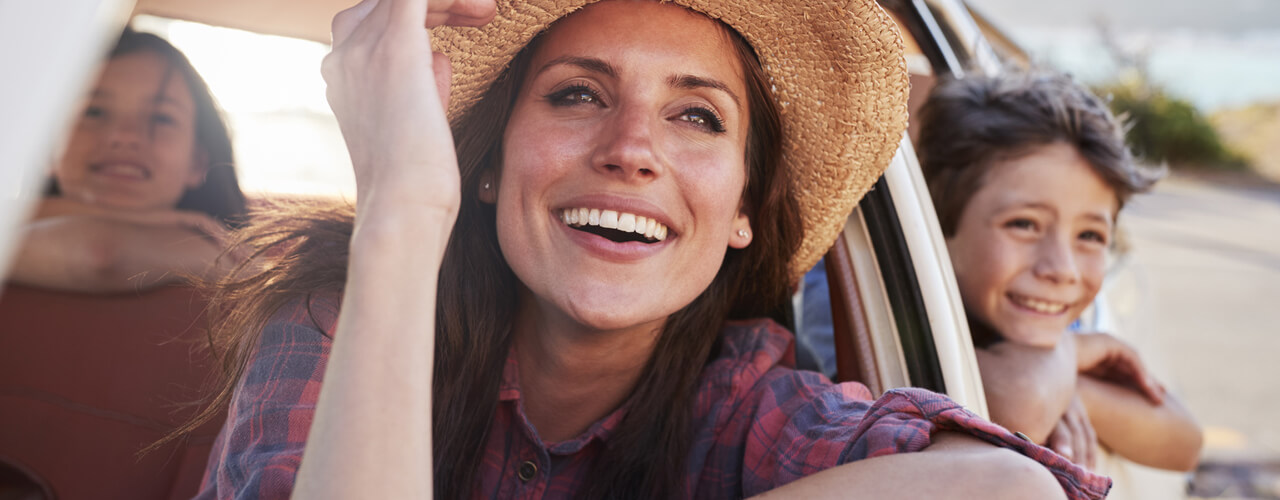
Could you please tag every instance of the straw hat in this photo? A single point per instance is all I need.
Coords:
(837, 70)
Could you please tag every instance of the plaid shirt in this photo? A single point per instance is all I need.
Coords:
(758, 424)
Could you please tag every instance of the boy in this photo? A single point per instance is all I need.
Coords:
(1028, 173)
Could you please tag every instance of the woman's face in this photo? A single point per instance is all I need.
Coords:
(1030, 249)
(631, 113)
(134, 145)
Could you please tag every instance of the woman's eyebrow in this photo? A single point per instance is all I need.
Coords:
(588, 63)
(697, 82)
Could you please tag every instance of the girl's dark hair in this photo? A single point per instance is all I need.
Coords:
(971, 124)
(645, 457)
(219, 196)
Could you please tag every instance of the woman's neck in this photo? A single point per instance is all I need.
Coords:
(572, 376)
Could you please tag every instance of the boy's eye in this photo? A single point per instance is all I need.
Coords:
(574, 95)
(703, 118)
(1023, 224)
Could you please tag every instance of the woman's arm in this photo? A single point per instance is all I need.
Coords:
(96, 254)
(1028, 388)
(954, 466)
(372, 434)
(1131, 411)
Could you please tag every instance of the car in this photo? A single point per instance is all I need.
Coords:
(898, 319)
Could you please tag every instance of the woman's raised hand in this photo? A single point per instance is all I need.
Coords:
(389, 92)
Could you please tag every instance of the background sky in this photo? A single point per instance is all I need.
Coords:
(1218, 54)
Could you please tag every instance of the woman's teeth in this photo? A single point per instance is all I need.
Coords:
(1037, 305)
(611, 219)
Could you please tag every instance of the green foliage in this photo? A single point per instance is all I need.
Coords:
(1165, 128)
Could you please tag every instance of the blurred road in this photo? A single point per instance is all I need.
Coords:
(1204, 288)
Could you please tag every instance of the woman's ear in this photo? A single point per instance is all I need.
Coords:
(199, 170)
(488, 188)
(742, 235)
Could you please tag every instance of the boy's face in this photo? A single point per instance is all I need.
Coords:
(1030, 249)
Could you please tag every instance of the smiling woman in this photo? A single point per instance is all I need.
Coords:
(508, 329)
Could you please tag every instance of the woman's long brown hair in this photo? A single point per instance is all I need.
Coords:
(646, 456)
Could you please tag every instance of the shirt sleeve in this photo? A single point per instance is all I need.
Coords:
(259, 449)
(803, 424)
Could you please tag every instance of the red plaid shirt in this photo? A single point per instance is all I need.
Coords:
(758, 424)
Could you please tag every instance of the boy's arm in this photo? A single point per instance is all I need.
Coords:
(1164, 435)
(1132, 413)
(1028, 388)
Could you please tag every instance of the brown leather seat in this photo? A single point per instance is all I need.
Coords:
(86, 381)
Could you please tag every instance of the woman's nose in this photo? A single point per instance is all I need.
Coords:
(628, 147)
(1055, 261)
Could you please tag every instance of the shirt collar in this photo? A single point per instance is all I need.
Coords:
(510, 399)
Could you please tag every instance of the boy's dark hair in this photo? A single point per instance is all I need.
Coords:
(970, 124)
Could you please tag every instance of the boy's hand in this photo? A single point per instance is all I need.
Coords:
(1110, 359)
(1074, 437)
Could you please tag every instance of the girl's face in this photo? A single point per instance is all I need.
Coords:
(134, 145)
(1030, 249)
(632, 113)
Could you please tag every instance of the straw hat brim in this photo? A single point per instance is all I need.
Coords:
(838, 73)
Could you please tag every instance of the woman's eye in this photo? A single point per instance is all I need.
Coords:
(574, 95)
(94, 112)
(703, 118)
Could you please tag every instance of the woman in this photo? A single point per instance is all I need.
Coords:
(145, 188)
(571, 353)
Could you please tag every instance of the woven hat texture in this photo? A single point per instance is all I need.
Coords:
(837, 69)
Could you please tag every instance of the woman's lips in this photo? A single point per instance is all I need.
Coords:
(649, 228)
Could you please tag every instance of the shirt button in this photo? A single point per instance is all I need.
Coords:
(527, 470)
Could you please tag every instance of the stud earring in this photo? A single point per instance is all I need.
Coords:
(486, 186)
(742, 233)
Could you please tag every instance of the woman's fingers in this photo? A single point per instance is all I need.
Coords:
(345, 22)
(460, 12)
(443, 72)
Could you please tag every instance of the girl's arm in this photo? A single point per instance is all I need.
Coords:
(955, 466)
(1131, 411)
(98, 254)
(1028, 388)
(371, 437)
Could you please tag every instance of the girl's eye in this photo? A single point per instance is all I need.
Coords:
(94, 112)
(574, 95)
(1094, 236)
(703, 118)
(163, 119)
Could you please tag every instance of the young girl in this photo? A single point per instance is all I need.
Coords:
(145, 189)
(1028, 173)
(567, 223)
